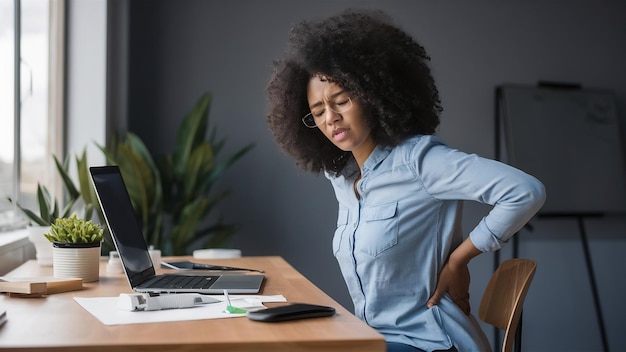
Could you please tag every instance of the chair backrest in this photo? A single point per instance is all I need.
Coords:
(501, 304)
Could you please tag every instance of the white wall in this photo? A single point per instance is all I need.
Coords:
(86, 78)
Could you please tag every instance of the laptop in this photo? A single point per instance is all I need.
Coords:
(133, 250)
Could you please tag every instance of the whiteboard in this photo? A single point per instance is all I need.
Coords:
(570, 139)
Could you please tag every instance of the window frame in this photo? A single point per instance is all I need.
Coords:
(55, 108)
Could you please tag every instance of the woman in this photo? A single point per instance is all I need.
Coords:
(354, 98)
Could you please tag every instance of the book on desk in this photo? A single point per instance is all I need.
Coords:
(38, 286)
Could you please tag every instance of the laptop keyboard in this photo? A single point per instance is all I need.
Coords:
(183, 281)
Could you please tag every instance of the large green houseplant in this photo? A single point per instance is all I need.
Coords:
(172, 193)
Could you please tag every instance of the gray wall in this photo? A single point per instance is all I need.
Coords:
(180, 49)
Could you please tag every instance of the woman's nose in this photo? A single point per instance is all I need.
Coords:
(331, 116)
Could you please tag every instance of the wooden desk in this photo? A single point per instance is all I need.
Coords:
(57, 322)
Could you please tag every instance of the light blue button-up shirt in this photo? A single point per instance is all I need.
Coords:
(392, 241)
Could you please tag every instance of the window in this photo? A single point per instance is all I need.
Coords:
(31, 129)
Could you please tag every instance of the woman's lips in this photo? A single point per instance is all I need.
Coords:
(340, 134)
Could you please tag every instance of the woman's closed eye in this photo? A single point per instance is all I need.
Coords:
(318, 112)
(343, 102)
(339, 106)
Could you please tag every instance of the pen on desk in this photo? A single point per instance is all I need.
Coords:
(227, 298)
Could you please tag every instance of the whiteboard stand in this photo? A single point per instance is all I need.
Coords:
(596, 104)
(515, 244)
(592, 279)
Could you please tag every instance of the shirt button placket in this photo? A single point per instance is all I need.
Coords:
(361, 308)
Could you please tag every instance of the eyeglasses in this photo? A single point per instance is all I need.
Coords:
(318, 114)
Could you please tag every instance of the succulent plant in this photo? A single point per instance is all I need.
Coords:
(74, 230)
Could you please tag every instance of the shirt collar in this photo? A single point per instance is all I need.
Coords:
(378, 155)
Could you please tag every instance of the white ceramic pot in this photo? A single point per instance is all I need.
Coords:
(43, 247)
(72, 260)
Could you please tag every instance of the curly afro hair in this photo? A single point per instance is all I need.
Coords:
(380, 65)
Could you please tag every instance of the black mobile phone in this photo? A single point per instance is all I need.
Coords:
(291, 312)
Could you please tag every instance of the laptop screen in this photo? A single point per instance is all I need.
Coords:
(123, 223)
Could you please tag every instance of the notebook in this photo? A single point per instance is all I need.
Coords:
(133, 250)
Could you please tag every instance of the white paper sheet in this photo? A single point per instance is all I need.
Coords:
(105, 309)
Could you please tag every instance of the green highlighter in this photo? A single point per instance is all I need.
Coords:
(230, 308)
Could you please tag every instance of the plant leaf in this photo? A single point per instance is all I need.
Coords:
(86, 190)
(185, 229)
(67, 180)
(34, 217)
(43, 198)
(142, 181)
(198, 168)
(220, 168)
(191, 132)
(67, 210)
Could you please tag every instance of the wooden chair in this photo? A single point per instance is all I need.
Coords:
(502, 302)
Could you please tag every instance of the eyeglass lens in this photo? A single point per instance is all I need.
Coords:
(318, 114)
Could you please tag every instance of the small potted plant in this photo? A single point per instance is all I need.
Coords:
(76, 248)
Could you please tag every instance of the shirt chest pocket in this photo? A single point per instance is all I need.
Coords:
(379, 230)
